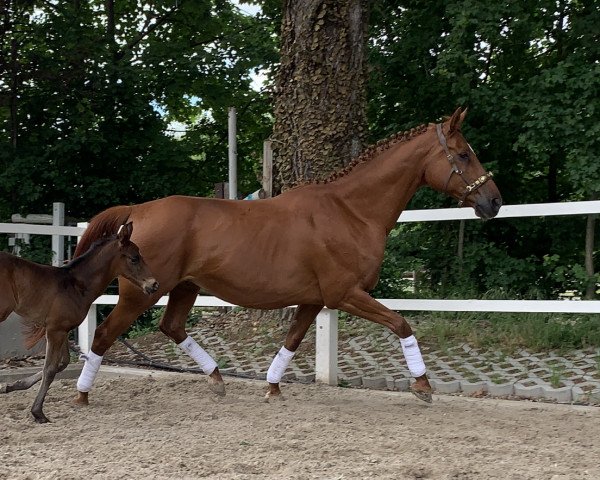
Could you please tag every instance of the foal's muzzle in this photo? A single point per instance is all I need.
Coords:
(150, 286)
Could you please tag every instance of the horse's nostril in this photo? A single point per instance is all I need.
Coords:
(497, 203)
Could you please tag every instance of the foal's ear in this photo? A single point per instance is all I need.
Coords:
(125, 232)
(457, 119)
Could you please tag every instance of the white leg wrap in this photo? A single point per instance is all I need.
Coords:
(278, 365)
(89, 371)
(202, 358)
(413, 357)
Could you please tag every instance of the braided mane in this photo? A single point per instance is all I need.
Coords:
(367, 154)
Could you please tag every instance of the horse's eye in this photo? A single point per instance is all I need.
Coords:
(464, 155)
(135, 259)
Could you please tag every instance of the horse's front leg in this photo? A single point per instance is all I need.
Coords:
(303, 317)
(56, 345)
(360, 303)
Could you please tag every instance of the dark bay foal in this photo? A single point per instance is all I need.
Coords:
(54, 300)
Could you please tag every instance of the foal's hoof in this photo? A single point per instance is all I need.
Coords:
(422, 395)
(81, 399)
(40, 418)
(216, 387)
(3, 388)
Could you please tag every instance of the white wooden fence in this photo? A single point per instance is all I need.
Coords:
(326, 325)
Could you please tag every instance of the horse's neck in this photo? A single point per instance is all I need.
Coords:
(93, 271)
(379, 189)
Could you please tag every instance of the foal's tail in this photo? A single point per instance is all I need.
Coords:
(33, 333)
(103, 224)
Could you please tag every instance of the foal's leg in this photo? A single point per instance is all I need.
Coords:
(132, 303)
(303, 318)
(172, 324)
(55, 347)
(360, 303)
(28, 382)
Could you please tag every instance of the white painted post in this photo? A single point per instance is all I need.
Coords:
(58, 241)
(85, 331)
(267, 179)
(232, 154)
(326, 347)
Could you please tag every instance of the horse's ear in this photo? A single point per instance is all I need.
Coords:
(125, 232)
(457, 119)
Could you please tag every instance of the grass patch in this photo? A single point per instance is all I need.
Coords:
(509, 332)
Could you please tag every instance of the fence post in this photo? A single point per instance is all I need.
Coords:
(58, 241)
(326, 347)
(232, 154)
(85, 331)
(267, 179)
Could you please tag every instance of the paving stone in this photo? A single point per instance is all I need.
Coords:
(500, 389)
(579, 395)
(440, 386)
(532, 391)
(561, 394)
(469, 388)
(376, 383)
(594, 397)
(355, 381)
(402, 384)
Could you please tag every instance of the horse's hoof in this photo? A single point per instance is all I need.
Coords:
(81, 399)
(3, 388)
(422, 395)
(274, 397)
(216, 387)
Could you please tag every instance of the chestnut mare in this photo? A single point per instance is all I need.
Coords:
(54, 300)
(318, 244)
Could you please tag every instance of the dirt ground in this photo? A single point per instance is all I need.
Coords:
(169, 426)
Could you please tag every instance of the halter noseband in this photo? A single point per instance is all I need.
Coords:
(470, 187)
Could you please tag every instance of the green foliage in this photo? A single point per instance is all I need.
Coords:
(38, 250)
(93, 95)
(529, 73)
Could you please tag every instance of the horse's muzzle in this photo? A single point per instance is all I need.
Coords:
(487, 209)
(150, 286)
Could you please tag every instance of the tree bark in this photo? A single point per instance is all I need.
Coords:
(320, 104)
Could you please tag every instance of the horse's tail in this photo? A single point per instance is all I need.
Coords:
(33, 333)
(103, 224)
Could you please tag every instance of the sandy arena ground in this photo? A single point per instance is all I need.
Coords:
(169, 426)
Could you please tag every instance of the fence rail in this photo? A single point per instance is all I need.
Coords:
(326, 328)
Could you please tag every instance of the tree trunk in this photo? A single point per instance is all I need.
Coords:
(320, 104)
(590, 291)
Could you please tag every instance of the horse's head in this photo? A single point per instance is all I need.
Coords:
(454, 169)
(131, 265)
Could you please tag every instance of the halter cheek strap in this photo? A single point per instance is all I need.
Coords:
(469, 187)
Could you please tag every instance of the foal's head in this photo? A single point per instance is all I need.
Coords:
(456, 170)
(130, 263)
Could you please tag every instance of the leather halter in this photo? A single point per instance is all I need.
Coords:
(470, 187)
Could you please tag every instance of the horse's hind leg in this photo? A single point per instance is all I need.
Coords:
(55, 347)
(172, 324)
(360, 303)
(303, 318)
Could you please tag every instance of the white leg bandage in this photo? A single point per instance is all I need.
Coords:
(89, 371)
(202, 358)
(278, 365)
(413, 357)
